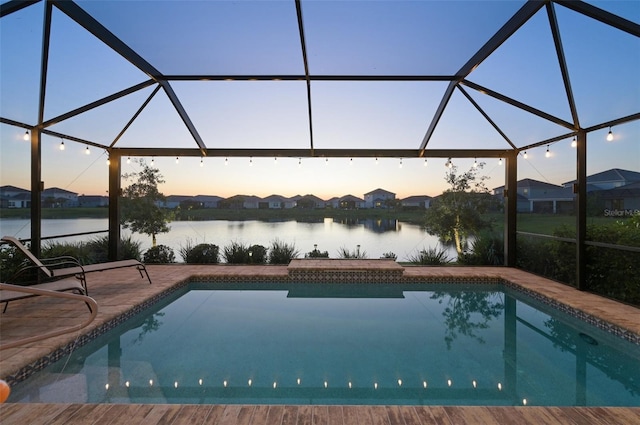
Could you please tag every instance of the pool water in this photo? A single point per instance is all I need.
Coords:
(346, 344)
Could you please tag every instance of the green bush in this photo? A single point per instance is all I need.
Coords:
(98, 249)
(281, 252)
(356, 254)
(486, 250)
(316, 253)
(257, 254)
(236, 253)
(204, 253)
(390, 255)
(430, 257)
(10, 262)
(160, 254)
(77, 250)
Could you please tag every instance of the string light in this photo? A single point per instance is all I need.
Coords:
(525, 155)
(351, 161)
(177, 160)
(500, 161)
(609, 135)
(425, 162)
(275, 160)
(326, 161)
(87, 151)
(201, 162)
(574, 142)
(400, 166)
(475, 163)
(61, 144)
(128, 160)
(226, 161)
(108, 161)
(449, 164)
(153, 161)
(26, 136)
(376, 161)
(250, 161)
(547, 154)
(299, 162)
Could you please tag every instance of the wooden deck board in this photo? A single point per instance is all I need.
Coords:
(83, 414)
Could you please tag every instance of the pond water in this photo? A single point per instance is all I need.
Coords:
(375, 237)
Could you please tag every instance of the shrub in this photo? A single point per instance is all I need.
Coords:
(10, 262)
(204, 253)
(281, 252)
(486, 250)
(76, 250)
(316, 253)
(159, 254)
(98, 249)
(430, 257)
(257, 254)
(356, 254)
(236, 253)
(390, 255)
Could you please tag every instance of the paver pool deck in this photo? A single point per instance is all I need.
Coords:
(118, 291)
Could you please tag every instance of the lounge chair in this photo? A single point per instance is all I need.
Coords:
(76, 269)
(13, 292)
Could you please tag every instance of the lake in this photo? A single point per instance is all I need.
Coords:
(375, 237)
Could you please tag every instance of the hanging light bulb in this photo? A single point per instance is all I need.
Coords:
(525, 155)
(500, 161)
(376, 161)
(201, 162)
(449, 164)
(108, 161)
(62, 144)
(547, 154)
(609, 135)
(87, 151)
(574, 142)
(275, 160)
(475, 163)
(400, 166)
(226, 161)
(26, 136)
(153, 161)
(425, 162)
(250, 161)
(326, 161)
(299, 162)
(128, 160)
(177, 160)
(351, 161)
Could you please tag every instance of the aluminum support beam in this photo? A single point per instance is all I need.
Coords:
(511, 209)
(581, 210)
(114, 205)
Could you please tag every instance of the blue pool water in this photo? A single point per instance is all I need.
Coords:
(346, 344)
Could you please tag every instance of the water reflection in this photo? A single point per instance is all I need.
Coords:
(468, 312)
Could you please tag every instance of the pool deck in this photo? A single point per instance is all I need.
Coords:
(118, 291)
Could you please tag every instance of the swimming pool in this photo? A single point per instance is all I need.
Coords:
(479, 344)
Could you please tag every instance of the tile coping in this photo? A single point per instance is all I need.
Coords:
(52, 357)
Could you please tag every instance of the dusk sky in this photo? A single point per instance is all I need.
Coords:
(344, 38)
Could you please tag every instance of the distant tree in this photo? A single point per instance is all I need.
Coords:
(141, 211)
(458, 213)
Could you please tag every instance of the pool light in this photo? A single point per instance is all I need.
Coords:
(127, 384)
(200, 381)
(326, 384)
(106, 386)
(499, 386)
(275, 384)
(424, 384)
(474, 383)
(175, 384)
(249, 382)
(298, 381)
(349, 384)
(151, 382)
(399, 382)
(449, 383)
(224, 384)
(524, 401)
(375, 385)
